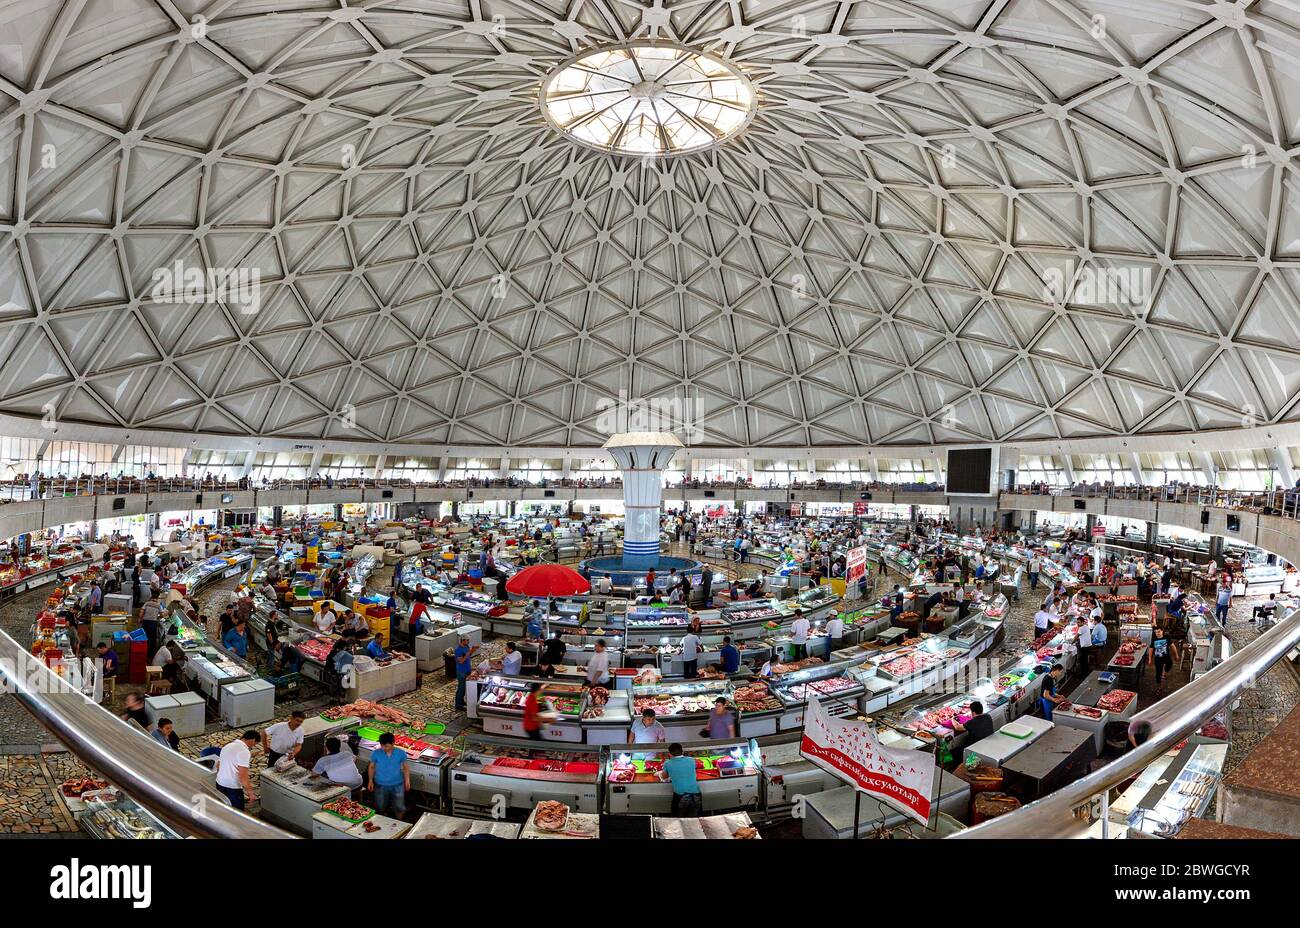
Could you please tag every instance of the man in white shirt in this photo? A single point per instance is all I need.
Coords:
(834, 635)
(512, 661)
(1043, 619)
(690, 655)
(338, 765)
(232, 770)
(598, 665)
(647, 730)
(799, 635)
(1085, 643)
(284, 738)
(1035, 568)
(325, 620)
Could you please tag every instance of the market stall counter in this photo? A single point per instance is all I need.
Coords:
(429, 756)
(731, 825)
(787, 775)
(1059, 756)
(727, 772)
(830, 814)
(547, 821)
(292, 798)
(329, 825)
(495, 771)
(433, 825)
(1009, 740)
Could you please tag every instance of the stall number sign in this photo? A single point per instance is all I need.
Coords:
(1099, 531)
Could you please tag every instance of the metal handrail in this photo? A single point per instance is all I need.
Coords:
(167, 783)
(1172, 719)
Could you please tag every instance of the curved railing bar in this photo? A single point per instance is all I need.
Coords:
(168, 784)
(1172, 719)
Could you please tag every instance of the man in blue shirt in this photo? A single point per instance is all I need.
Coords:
(376, 648)
(389, 777)
(1222, 603)
(686, 787)
(236, 640)
(730, 657)
(464, 654)
(109, 657)
(533, 631)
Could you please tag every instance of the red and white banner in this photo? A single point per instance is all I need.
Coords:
(859, 507)
(850, 751)
(855, 565)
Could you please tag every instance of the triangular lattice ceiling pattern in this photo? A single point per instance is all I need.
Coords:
(864, 264)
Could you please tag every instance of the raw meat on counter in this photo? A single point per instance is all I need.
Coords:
(551, 815)
(1116, 700)
(755, 698)
(348, 810)
(365, 709)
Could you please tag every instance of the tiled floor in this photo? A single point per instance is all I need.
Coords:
(30, 776)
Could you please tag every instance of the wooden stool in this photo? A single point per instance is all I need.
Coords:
(110, 688)
(152, 675)
(159, 687)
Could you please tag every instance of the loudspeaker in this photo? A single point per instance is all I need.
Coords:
(198, 499)
(548, 493)
(708, 494)
(1205, 517)
(1080, 504)
(864, 496)
(385, 494)
(1234, 523)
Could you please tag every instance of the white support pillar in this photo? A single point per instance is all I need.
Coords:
(378, 472)
(1134, 467)
(566, 467)
(642, 457)
(442, 469)
(314, 468)
(874, 465)
(186, 460)
(1206, 464)
(1281, 458)
(1067, 466)
(937, 463)
(244, 471)
(504, 470)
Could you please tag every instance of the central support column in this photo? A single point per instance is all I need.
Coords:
(643, 457)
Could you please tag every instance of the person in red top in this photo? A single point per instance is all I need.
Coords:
(533, 712)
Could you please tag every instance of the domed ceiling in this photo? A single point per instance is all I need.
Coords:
(942, 222)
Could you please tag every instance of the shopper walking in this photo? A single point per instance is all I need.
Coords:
(1035, 567)
(1163, 654)
(690, 655)
(1222, 603)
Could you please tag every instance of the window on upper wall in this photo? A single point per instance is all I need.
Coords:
(414, 469)
(346, 466)
(1039, 468)
(473, 468)
(535, 470)
(222, 465)
(602, 468)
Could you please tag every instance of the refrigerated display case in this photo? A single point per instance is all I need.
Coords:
(728, 775)
(682, 707)
(493, 772)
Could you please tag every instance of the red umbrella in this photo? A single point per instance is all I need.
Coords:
(547, 580)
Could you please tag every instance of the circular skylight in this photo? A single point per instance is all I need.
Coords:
(647, 100)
